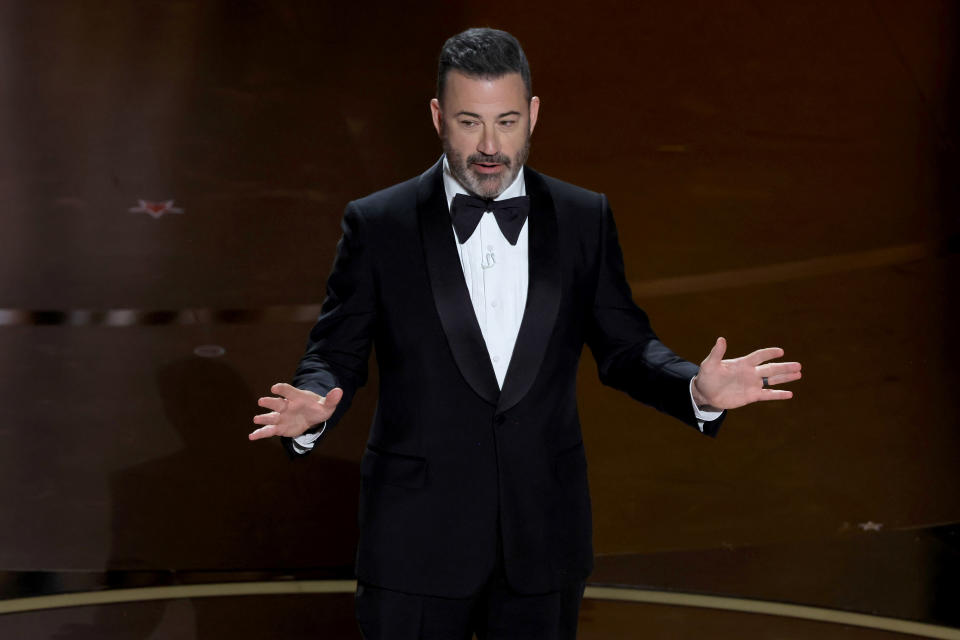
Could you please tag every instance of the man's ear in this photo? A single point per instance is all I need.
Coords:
(437, 116)
(534, 111)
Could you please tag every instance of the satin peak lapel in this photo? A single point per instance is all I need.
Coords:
(450, 289)
(543, 294)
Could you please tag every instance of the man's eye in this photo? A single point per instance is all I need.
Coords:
(469, 123)
(507, 123)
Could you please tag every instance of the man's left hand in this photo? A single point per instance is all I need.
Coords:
(728, 384)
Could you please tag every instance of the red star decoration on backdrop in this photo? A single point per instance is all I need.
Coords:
(155, 209)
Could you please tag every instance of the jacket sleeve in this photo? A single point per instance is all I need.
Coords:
(629, 355)
(339, 344)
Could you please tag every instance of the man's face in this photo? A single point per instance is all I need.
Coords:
(485, 125)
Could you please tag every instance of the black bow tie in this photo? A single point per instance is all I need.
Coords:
(510, 214)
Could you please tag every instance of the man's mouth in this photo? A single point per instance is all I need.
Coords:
(487, 167)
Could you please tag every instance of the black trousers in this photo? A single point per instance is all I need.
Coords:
(495, 613)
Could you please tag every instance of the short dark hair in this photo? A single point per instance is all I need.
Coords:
(483, 53)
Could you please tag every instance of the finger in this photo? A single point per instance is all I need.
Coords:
(284, 389)
(267, 418)
(762, 355)
(783, 378)
(775, 394)
(332, 398)
(778, 368)
(716, 353)
(275, 404)
(263, 432)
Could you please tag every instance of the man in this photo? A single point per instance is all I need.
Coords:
(479, 282)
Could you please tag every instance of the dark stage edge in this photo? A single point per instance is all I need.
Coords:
(794, 585)
(606, 613)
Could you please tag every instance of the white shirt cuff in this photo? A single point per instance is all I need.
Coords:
(305, 441)
(701, 415)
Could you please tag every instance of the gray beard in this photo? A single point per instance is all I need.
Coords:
(485, 186)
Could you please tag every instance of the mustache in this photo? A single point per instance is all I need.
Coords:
(497, 158)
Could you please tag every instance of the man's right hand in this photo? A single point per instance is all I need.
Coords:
(295, 411)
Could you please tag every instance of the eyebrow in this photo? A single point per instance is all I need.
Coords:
(479, 117)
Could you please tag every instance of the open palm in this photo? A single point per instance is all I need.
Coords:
(728, 384)
(295, 411)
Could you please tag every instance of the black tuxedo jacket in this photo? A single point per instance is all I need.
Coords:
(455, 466)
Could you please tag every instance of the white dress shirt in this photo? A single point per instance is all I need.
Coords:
(496, 274)
(497, 277)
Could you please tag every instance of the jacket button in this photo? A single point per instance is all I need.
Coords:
(499, 420)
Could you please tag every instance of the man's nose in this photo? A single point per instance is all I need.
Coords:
(488, 144)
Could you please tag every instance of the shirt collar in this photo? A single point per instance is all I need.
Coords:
(450, 185)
